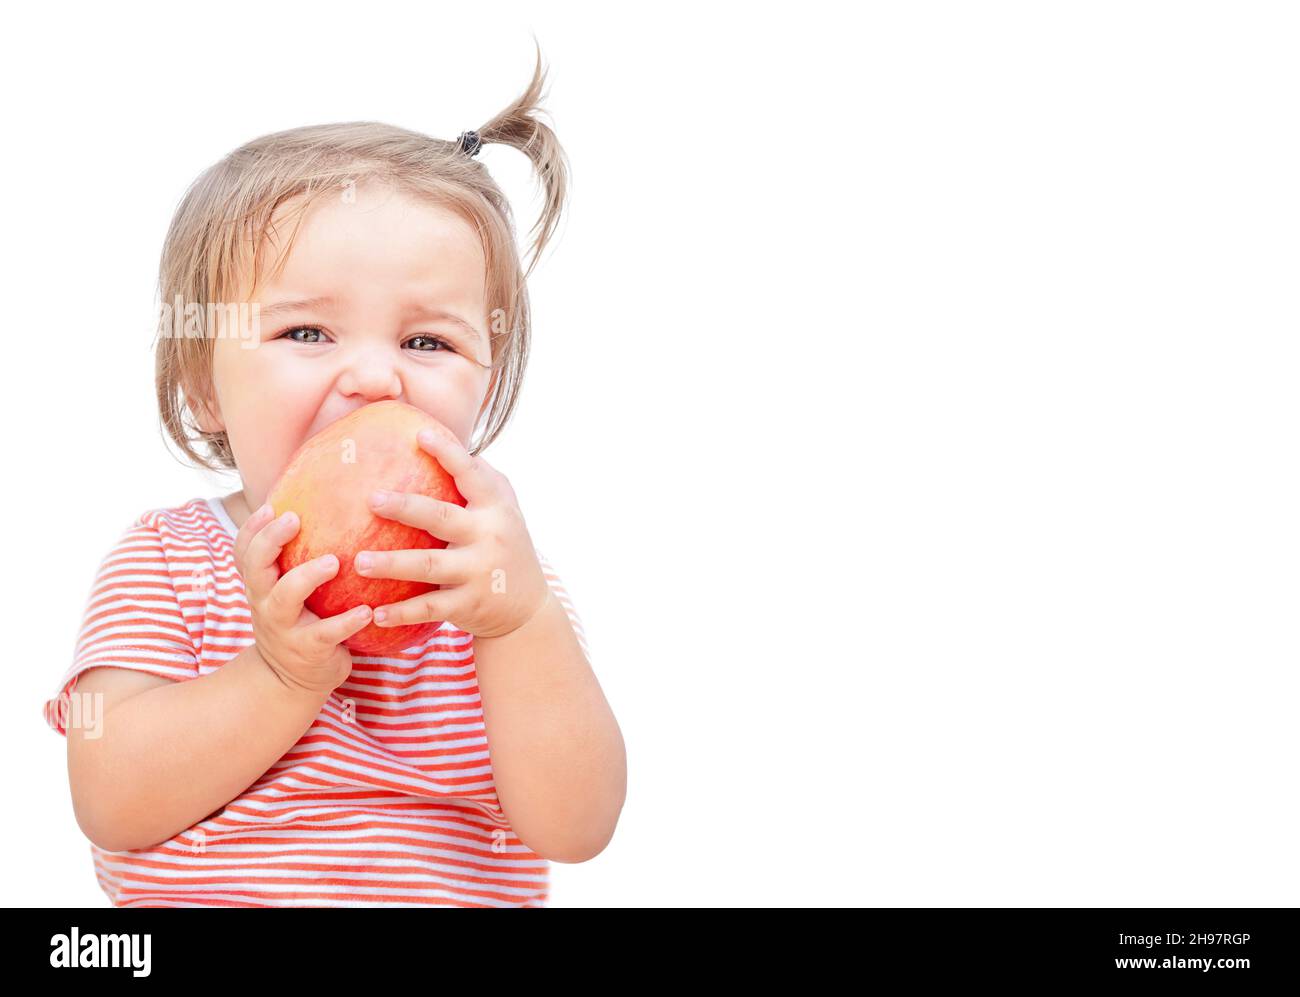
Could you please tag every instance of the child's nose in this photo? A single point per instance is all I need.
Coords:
(372, 377)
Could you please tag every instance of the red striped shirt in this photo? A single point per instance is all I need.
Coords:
(386, 800)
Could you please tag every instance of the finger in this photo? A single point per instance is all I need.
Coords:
(426, 608)
(437, 565)
(336, 629)
(284, 603)
(445, 520)
(251, 525)
(260, 569)
(474, 477)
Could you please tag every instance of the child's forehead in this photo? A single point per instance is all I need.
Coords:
(385, 236)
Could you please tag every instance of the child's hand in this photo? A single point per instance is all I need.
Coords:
(491, 582)
(302, 649)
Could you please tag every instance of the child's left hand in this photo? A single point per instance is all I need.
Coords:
(490, 578)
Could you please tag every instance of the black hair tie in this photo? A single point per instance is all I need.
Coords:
(469, 142)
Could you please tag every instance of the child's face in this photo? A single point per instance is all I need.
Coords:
(380, 256)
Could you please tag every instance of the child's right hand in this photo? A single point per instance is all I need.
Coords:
(305, 651)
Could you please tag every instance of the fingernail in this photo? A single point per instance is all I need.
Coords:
(266, 507)
(381, 615)
(378, 498)
(365, 562)
(427, 436)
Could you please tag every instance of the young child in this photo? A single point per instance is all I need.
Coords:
(224, 747)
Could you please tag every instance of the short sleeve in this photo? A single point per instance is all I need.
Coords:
(132, 619)
(557, 587)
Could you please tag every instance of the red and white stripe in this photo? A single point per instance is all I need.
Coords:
(387, 799)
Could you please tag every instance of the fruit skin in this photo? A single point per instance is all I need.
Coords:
(328, 482)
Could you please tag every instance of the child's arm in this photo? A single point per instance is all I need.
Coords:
(170, 753)
(558, 757)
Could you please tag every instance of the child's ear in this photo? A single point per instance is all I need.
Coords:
(207, 414)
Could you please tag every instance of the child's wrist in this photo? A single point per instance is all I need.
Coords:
(281, 683)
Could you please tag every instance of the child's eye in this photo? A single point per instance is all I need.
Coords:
(301, 328)
(431, 339)
(441, 343)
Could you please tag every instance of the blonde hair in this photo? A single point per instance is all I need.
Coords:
(232, 202)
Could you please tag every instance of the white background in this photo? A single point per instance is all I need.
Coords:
(912, 416)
